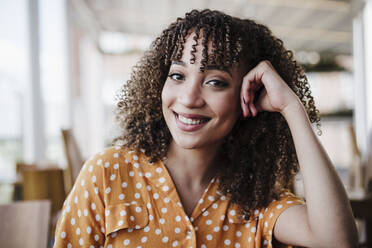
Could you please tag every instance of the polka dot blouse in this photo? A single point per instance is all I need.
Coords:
(121, 200)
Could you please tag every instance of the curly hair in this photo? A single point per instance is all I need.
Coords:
(259, 158)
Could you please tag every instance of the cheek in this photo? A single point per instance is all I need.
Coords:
(228, 106)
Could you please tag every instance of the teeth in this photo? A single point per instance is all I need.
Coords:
(190, 121)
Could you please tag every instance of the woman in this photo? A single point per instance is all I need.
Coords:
(215, 124)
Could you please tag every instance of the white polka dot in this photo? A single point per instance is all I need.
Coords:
(93, 206)
(209, 237)
(216, 229)
(85, 212)
(253, 229)
(97, 217)
(266, 224)
(90, 168)
(126, 242)
(96, 237)
(146, 229)
(147, 174)
(151, 217)
(201, 201)
(148, 187)
(289, 202)
(138, 209)
(86, 194)
(112, 177)
(211, 198)
(114, 234)
(79, 213)
(73, 221)
(121, 197)
(135, 157)
(215, 205)
(81, 242)
(203, 246)
(108, 190)
(161, 221)
(131, 173)
(107, 164)
(223, 198)
(208, 222)
(96, 190)
(156, 196)
(123, 212)
(165, 188)
(109, 246)
(232, 212)
(63, 235)
(148, 205)
(144, 239)
(116, 155)
(178, 218)
(165, 239)
(159, 170)
(69, 245)
(205, 213)
(225, 227)
(78, 231)
(89, 229)
(76, 199)
(166, 200)
(261, 216)
(238, 233)
(120, 222)
(137, 195)
(130, 230)
(256, 211)
(162, 180)
(124, 185)
(249, 239)
(227, 242)
(271, 215)
(237, 245)
(279, 206)
(265, 242)
(164, 210)
(136, 165)
(116, 166)
(175, 243)
(157, 231)
(99, 161)
(177, 230)
(222, 217)
(131, 218)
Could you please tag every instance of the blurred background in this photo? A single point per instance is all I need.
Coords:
(62, 61)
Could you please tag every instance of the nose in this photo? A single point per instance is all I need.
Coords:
(191, 94)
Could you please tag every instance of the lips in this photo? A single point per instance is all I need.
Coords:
(190, 122)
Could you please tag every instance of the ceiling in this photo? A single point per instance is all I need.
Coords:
(323, 26)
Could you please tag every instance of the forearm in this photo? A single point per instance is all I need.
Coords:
(329, 214)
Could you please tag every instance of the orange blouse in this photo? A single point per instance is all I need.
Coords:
(122, 200)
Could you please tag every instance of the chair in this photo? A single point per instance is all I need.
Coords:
(74, 158)
(25, 224)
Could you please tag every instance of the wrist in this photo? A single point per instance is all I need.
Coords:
(295, 108)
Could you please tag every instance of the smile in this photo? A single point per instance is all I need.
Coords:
(188, 122)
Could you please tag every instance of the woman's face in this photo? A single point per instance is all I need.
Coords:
(200, 108)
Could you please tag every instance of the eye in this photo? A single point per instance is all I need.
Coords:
(218, 83)
(176, 76)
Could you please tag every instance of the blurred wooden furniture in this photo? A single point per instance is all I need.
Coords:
(73, 156)
(362, 209)
(25, 224)
(43, 183)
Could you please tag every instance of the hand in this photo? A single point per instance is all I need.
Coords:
(265, 84)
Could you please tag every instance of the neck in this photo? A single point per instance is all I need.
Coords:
(193, 168)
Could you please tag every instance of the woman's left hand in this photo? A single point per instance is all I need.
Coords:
(265, 84)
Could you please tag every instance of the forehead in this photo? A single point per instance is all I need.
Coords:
(195, 52)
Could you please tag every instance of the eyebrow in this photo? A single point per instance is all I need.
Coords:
(208, 67)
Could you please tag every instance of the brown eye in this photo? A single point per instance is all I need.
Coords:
(218, 83)
(176, 76)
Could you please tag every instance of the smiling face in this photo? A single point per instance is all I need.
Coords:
(200, 108)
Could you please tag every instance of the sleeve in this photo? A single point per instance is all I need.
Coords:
(81, 223)
(269, 216)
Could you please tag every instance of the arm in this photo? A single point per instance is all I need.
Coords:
(326, 220)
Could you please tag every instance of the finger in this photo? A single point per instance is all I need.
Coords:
(244, 107)
(252, 109)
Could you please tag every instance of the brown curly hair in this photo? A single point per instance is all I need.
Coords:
(258, 155)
